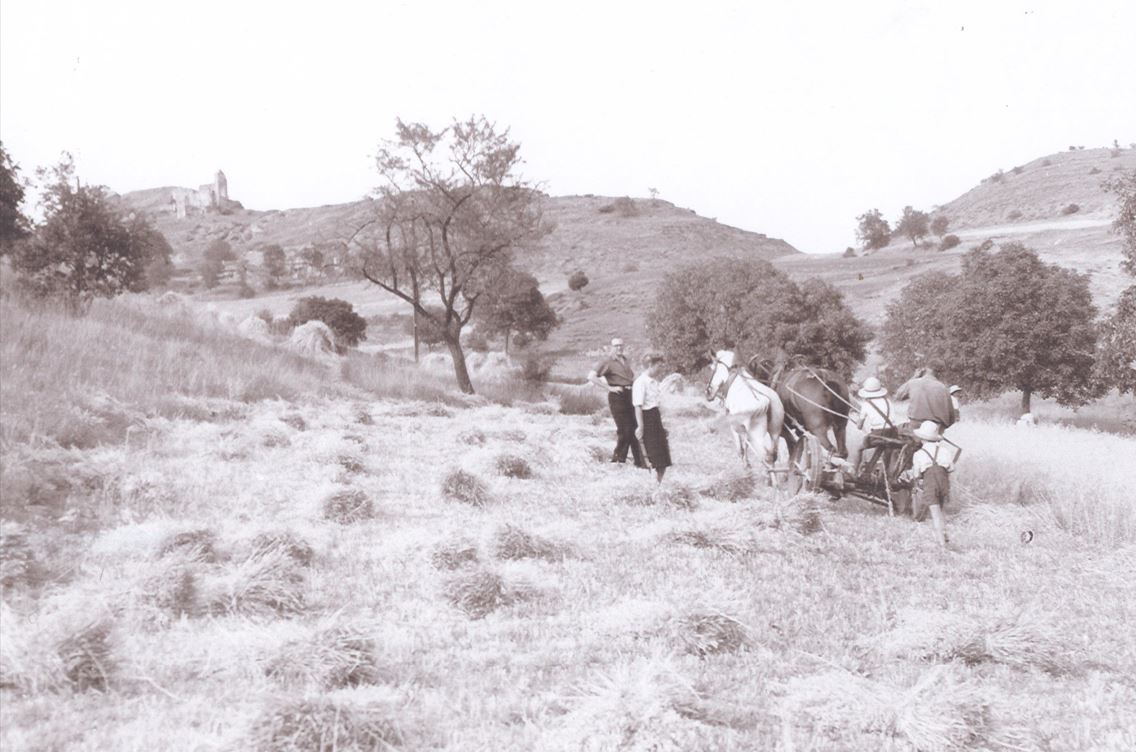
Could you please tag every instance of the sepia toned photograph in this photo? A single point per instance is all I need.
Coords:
(594, 377)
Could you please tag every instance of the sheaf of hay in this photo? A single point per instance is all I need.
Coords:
(472, 437)
(511, 542)
(312, 338)
(86, 656)
(465, 487)
(512, 466)
(1021, 641)
(16, 557)
(943, 710)
(678, 496)
(329, 658)
(730, 487)
(598, 453)
(454, 555)
(190, 545)
(708, 633)
(348, 506)
(270, 583)
(731, 540)
(173, 590)
(295, 547)
(351, 465)
(481, 592)
(320, 724)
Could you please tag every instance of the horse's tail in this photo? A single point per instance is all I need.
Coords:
(775, 425)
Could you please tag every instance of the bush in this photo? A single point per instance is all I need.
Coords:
(578, 281)
(1015, 214)
(477, 342)
(948, 242)
(630, 267)
(985, 245)
(1094, 171)
(1071, 209)
(1018, 170)
(350, 328)
(626, 206)
(997, 177)
(537, 368)
(849, 252)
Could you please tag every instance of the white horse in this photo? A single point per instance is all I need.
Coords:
(755, 411)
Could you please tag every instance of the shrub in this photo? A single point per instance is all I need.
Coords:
(948, 242)
(626, 206)
(466, 488)
(537, 368)
(985, 245)
(345, 507)
(512, 466)
(1018, 170)
(578, 281)
(1046, 163)
(16, 558)
(477, 342)
(86, 656)
(849, 252)
(1014, 214)
(909, 262)
(350, 328)
(1071, 209)
(1094, 171)
(580, 401)
(630, 267)
(997, 177)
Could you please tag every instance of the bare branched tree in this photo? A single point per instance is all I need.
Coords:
(450, 215)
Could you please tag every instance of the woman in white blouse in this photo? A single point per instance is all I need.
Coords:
(645, 394)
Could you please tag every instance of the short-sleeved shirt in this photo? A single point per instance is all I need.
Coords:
(871, 418)
(933, 453)
(616, 370)
(645, 392)
(930, 400)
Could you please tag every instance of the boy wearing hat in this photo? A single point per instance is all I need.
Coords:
(931, 467)
(874, 418)
(955, 391)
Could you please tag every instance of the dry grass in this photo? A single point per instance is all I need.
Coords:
(322, 725)
(331, 657)
(86, 656)
(481, 592)
(711, 633)
(191, 545)
(511, 542)
(16, 557)
(730, 487)
(454, 555)
(295, 547)
(348, 506)
(265, 584)
(459, 485)
(512, 466)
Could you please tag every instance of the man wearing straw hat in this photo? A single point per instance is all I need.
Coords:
(874, 419)
(931, 467)
(955, 391)
(614, 374)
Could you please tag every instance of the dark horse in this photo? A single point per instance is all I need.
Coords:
(815, 400)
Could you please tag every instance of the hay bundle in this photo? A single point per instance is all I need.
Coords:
(731, 487)
(294, 421)
(473, 437)
(295, 547)
(677, 495)
(598, 454)
(330, 658)
(173, 590)
(454, 555)
(351, 465)
(264, 584)
(348, 506)
(85, 656)
(480, 593)
(705, 634)
(254, 327)
(190, 545)
(728, 539)
(511, 542)
(15, 555)
(322, 725)
(1021, 641)
(943, 710)
(465, 487)
(312, 338)
(512, 466)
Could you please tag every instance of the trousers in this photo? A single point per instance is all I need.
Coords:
(624, 414)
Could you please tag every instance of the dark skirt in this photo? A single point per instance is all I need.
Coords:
(655, 439)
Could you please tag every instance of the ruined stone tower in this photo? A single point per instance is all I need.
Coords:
(220, 188)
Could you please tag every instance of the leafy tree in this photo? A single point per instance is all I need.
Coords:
(1124, 186)
(913, 224)
(578, 281)
(159, 268)
(515, 305)
(275, 264)
(940, 224)
(313, 257)
(1008, 321)
(84, 248)
(220, 251)
(1115, 365)
(349, 327)
(210, 272)
(873, 230)
(756, 309)
(14, 226)
(451, 214)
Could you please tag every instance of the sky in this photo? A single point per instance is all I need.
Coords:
(788, 118)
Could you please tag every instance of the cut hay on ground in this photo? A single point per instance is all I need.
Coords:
(86, 656)
(465, 487)
(295, 547)
(190, 545)
(312, 338)
(512, 466)
(703, 633)
(348, 506)
(329, 658)
(454, 555)
(480, 593)
(731, 487)
(264, 584)
(15, 555)
(1022, 641)
(511, 542)
(676, 495)
(943, 710)
(731, 540)
(322, 725)
(173, 590)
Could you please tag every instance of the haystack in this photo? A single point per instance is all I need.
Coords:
(459, 485)
(322, 725)
(190, 545)
(269, 583)
(454, 555)
(348, 506)
(511, 542)
(313, 338)
(708, 633)
(329, 658)
(480, 592)
(293, 546)
(255, 328)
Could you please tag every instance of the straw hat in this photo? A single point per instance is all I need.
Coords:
(872, 388)
(955, 388)
(928, 430)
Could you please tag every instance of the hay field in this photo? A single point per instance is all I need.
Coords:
(327, 567)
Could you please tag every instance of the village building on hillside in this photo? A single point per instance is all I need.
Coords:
(210, 198)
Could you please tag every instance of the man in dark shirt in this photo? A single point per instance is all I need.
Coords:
(614, 374)
(930, 400)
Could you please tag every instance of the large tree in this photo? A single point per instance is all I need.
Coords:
(450, 215)
(872, 230)
(1008, 321)
(914, 225)
(14, 225)
(752, 307)
(515, 305)
(84, 248)
(1124, 186)
(1115, 365)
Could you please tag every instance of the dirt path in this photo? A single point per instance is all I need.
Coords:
(1031, 227)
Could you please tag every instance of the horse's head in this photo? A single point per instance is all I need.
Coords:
(721, 363)
(767, 369)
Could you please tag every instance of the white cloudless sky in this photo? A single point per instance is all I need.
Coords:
(788, 118)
